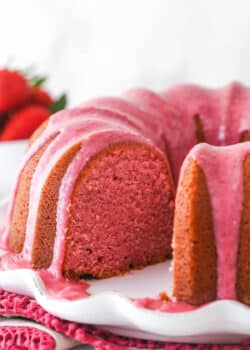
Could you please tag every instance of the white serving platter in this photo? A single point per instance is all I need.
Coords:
(11, 154)
(110, 305)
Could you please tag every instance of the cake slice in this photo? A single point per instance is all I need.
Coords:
(211, 225)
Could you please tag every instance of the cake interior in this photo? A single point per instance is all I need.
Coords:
(129, 187)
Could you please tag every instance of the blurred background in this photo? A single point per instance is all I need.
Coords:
(93, 47)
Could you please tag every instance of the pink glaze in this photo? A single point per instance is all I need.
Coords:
(123, 107)
(82, 115)
(63, 288)
(158, 304)
(11, 261)
(223, 168)
(58, 287)
(189, 100)
(171, 122)
(237, 111)
(224, 112)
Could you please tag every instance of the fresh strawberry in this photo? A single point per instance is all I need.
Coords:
(41, 97)
(14, 90)
(24, 122)
(3, 120)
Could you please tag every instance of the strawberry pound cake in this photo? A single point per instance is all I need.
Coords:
(106, 187)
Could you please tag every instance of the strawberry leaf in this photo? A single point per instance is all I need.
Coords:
(59, 104)
(37, 81)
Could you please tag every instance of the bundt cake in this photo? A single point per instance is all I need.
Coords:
(95, 193)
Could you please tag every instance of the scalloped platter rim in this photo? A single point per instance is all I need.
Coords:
(110, 305)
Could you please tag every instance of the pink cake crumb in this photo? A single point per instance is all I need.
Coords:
(125, 201)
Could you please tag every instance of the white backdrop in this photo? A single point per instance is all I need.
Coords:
(92, 47)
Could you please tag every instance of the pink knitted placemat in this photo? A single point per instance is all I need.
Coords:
(23, 338)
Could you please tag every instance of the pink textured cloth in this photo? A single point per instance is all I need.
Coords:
(24, 338)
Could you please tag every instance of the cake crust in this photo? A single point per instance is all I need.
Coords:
(243, 273)
(194, 243)
(45, 229)
(21, 206)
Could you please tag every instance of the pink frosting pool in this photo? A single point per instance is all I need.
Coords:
(57, 287)
(158, 304)
(63, 288)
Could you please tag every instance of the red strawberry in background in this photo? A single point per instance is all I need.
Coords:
(14, 90)
(3, 120)
(41, 97)
(24, 104)
(24, 122)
